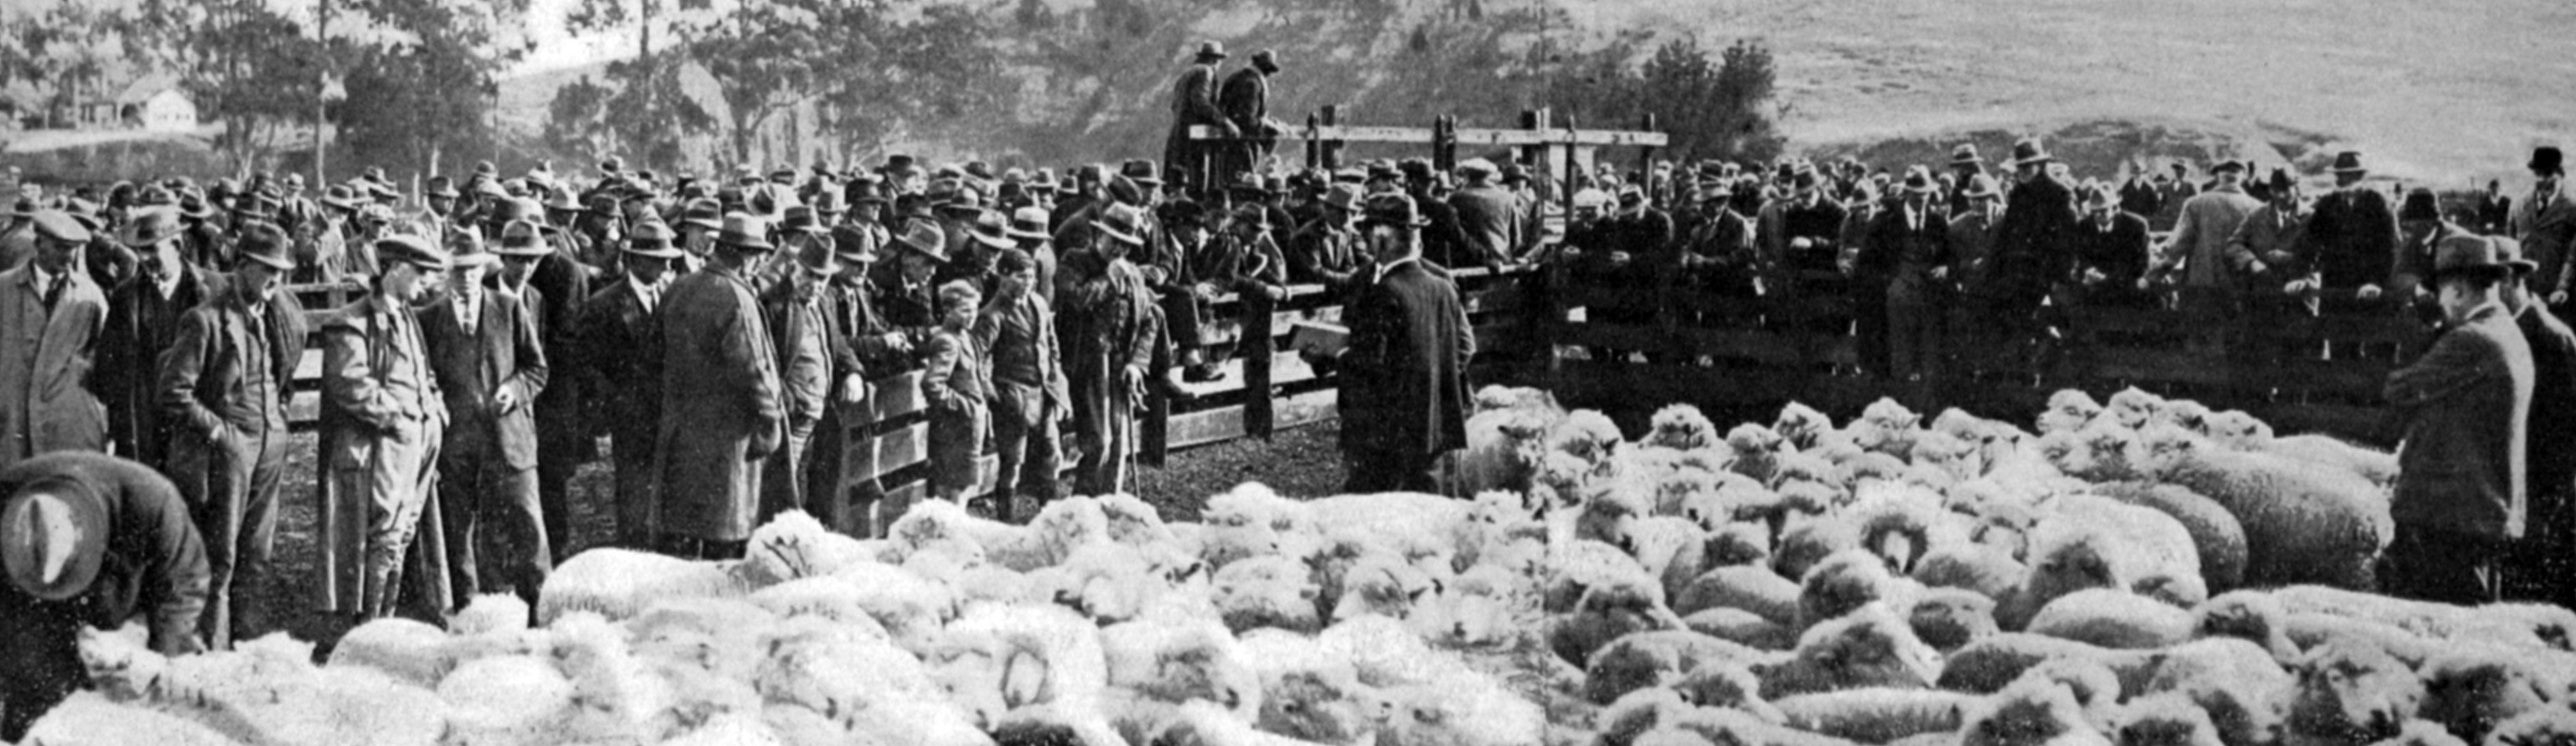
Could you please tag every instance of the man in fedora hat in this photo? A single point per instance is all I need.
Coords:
(53, 314)
(2138, 192)
(541, 267)
(1488, 216)
(2272, 248)
(1029, 230)
(2495, 209)
(2352, 235)
(721, 401)
(224, 394)
(2462, 494)
(1328, 248)
(1245, 101)
(1906, 260)
(2545, 224)
(905, 293)
(2543, 559)
(1969, 325)
(817, 367)
(142, 317)
(1194, 103)
(1403, 372)
(622, 360)
(1714, 254)
(2198, 247)
(92, 540)
(491, 365)
(2172, 190)
(1109, 326)
(383, 420)
(2111, 248)
(2421, 227)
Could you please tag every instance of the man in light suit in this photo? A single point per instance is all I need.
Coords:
(2545, 224)
(51, 315)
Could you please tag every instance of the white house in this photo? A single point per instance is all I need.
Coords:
(155, 104)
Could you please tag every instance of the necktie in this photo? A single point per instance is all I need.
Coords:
(465, 313)
(54, 291)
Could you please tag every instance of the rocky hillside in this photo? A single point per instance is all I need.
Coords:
(2441, 91)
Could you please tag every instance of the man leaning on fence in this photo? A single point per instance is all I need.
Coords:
(2460, 501)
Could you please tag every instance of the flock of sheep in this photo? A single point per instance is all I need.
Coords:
(2146, 573)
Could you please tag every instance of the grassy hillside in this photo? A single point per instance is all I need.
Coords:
(2433, 90)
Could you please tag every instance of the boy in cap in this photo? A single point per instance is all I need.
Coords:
(1016, 330)
(52, 313)
(491, 366)
(954, 386)
(383, 420)
(88, 539)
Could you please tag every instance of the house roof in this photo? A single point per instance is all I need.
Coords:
(144, 88)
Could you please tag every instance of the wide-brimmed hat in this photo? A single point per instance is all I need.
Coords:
(1143, 172)
(1514, 172)
(340, 196)
(2348, 161)
(704, 213)
(2227, 165)
(1965, 153)
(992, 229)
(150, 227)
(466, 249)
(562, 200)
(602, 204)
(2420, 204)
(819, 255)
(855, 243)
(522, 238)
(53, 537)
(829, 202)
(1122, 223)
(652, 238)
(1981, 186)
(60, 226)
(1030, 223)
(801, 219)
(746, 231)
(2280, 182)
(1475, 167)
(2028, 150)
(1396, 210)
(193, 204)
(2098, 196)
(1210, 50)
(1918, 180)
(2467, 254)
(924, 238)
(1344, 197)
(412, 250)
(1248, 184)
(2511, 250)
(264, 242)
(441, 186)
(2546, 159)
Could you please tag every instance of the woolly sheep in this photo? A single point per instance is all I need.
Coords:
(1979, 568)
(1840, 585)
(909, 608)
(1607, 612)
(1990, 664)
(1117, 582)
(2112, 618)
(2159, 544)
(2068, 409)
(2303, 524)
(2251, 616)
(2233, 680)
(1681, 427)
(1950, 618)
(1580, 565)
(507, 700)
(1254, 504)
(1645, 659)
(1308, 693)
(2218, 540)
(88, 718)
(2027, 714)
(1799, 425)
(2469, 690)
(1175, 661)
(2350, 690)
(827, 597)
(1586, 434)
(1504, 450)
(1748, 587)
(1386, 654)
(2539, 627)
(1808, 540)
(1955, 458)
(619, 583)
(2547, 727)
(2067, 556)
(1886, 426)
(1495, 396)
(411, 651)
(266, 691)
(1876, 715)
(615, 694)
(1051, 536)
(1672, 549)
(1267, 592)
(1756, 451)
(1466, 713)
(794, 545)
(1865, 649)
(1747, 544)
(2164, 720)
(2421, 733)
(1480, 607)
(1741, 627)
(2096, 687)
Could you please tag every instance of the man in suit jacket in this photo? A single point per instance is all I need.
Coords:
(142, 319)
(1404, 367)
(1016, 329)
(721, 412)
(2172, 190)
(622, 342)
(483, 346)
(1488, 217)
(2542, 562)
(383, 421)
(815, 363)
(88, 540)
(2495, 210)
(2545, 224)
(1245, 100)
(1194, 103)
(2271, 249)
(51, 316)
(2353, 235)
(557, 284)
(1908, 257)
(2030, 244)
(2199, 243)
(224, 395)
(1108, 325)
(2461, 492)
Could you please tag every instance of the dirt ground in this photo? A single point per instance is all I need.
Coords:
(1299, 463)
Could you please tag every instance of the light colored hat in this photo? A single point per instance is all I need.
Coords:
(53, 537)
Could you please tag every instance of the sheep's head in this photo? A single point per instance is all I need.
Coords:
(1067, 525)
(1479, 607)
(929, 522)
(2069, 409)
(788, 547)
(1608, 516)
(2165, 447)
(1739, 543)
(2470, 691)
(2165, 720)
(1588, 435)
(1562, 480)
(2237, 429)
(2252, 616)
(1132, 520)
(1384, 585)
(1811, 497)
(2027, 713)
(2068, 558)
(1886, 427)
(1950, 618)
(1949, 453)
(1267, 592)
(1320, 707)
(1796, 467)
(2132, 406)
(1628, 604)
(2185, 413)
(121, 662)
(1841, 584)
(1726, 686)
(1897, 537)
(2109, 447)
(1750, 440)
(1681, 427)
(1867, 648)
(1800, 424)
(2351, 690)
(1495, 396)
(1677, 489)
(1253, 503)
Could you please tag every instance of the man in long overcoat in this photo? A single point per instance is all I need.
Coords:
(1404, 368)
(721, 413)
(1109, 324)
(2199, 243)
(142, 318)
(2545, 224)
(50, 319)
(1194, 103)
(382, 422)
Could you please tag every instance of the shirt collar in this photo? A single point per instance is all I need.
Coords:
(170, 286)
(43, 279)
(1391, 267)
(643, 289)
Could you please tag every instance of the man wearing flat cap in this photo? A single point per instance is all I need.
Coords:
(2545, 224)
(1194, 103)
(223, 389)
(91, 540)
(621, 343)
(142, 318)
(1403, 371)
(2461, 499)
(52, 315)
(383, 420)
(1488, 216)
(721, 400)
(1245, 101)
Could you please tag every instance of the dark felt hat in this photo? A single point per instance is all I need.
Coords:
(2420, 204)
(266, 243)
(2547, 159)
(1211, 50)
(2466, 254)
(652, 238)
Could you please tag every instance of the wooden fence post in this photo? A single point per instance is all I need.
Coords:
(1332, 149)
(1314, 148)
(1646, 164)
(1444, 142)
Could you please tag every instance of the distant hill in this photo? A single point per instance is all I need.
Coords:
(2433, 90)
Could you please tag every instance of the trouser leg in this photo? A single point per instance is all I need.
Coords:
(463, 483)
(1040, 461)
(2442, 566)
(635, 503)
(398, 487)
(824, 495)
(1010, 450)
(1870, 327)
(558, 459)
(216, 481)
(782, 481)
(511, 523)
(256, 550)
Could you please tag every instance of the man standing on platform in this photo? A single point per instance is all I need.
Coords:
(483, 346)
(51, 314)
(2461, 491)
(1194, 103)
(1404, 368)
(721, 413)
(1245, 99)
(622, 334)
(225, 396)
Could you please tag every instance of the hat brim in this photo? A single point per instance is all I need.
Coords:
(997, 241)
(2040, 158)
(665, 251)
(1032, 235)
(528, 251)
(703, 223)
(90, 528)
(1118, 235)
(279, 263)
(134, 239)
(754, 245)
(477, 259)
